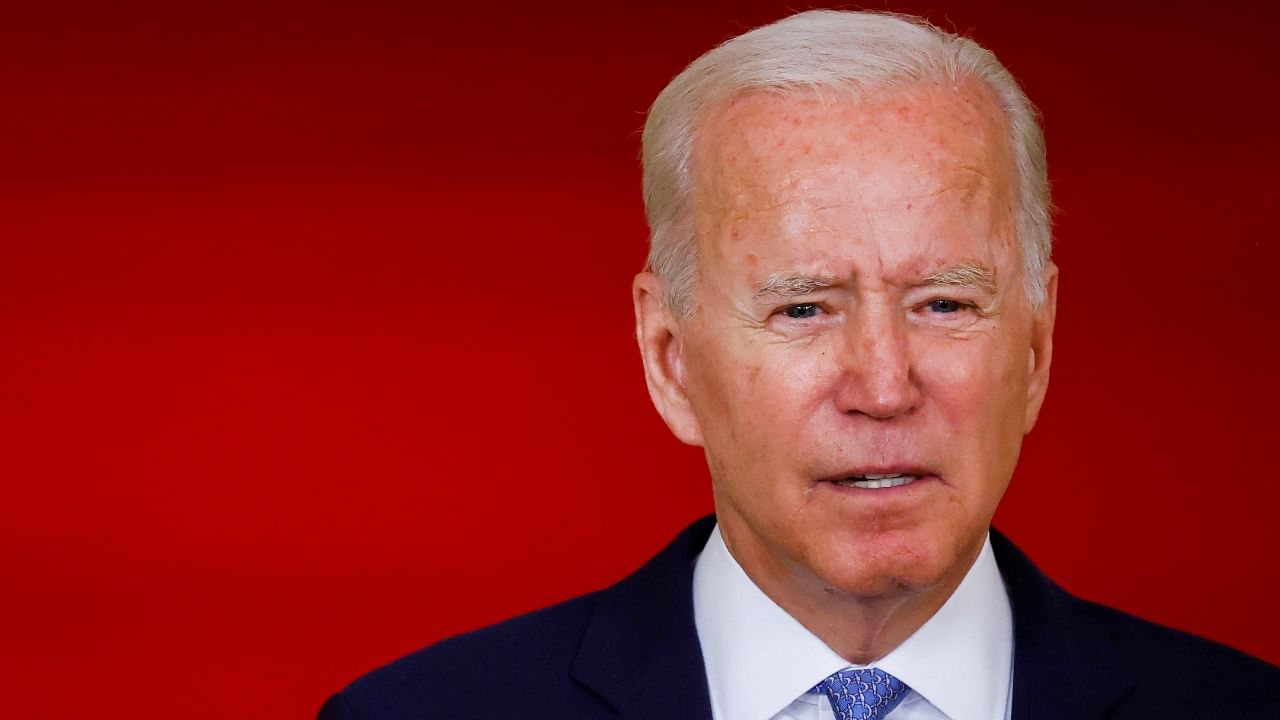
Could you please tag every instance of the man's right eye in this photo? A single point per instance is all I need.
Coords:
(803, 311)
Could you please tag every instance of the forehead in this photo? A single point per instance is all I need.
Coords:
(765, 149)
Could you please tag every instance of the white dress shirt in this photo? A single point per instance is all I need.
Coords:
(761, 662)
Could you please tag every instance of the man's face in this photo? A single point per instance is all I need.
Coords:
(861, 312)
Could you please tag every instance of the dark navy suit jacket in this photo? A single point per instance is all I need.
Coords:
(631, 651)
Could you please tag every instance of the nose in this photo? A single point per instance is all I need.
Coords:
(877, 370)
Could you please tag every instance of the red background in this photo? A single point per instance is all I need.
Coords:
(316, 342)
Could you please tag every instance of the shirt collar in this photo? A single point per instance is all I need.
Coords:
(759, 659)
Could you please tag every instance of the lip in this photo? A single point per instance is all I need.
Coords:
(921, 473)
(885, 499)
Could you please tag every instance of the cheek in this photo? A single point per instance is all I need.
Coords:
(978, 395)
(718, 381)
(977, 384)
(788, 383)
(755, 399)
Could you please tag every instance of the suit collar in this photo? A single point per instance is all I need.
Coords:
(1061, 660)
(640, 651)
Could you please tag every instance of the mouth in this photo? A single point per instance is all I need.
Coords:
(879, 478)
(877, 482)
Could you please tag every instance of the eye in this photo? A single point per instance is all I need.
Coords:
(944, 305)
(803, 311)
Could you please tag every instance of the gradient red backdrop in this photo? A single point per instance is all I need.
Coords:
(316, 341)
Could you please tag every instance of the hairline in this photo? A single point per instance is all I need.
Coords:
(680, 113)
(846, 93)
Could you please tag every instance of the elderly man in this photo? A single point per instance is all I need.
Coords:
(849, 305)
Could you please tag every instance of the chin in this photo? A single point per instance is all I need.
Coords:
(889, 564)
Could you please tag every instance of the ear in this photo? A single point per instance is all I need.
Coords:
(1041, 346)
(662, 349)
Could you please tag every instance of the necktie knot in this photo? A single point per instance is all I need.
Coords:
(862, 694)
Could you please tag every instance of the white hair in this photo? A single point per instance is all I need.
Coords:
(852, 51)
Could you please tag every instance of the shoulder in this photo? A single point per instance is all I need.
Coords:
(1176, 674)
(1104, 662)
(525, 656)
(633, 642)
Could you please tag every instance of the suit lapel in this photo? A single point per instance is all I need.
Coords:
(1061, 664)
(640, 650)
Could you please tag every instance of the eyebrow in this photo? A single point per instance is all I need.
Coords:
(781, 287)
(970, 275)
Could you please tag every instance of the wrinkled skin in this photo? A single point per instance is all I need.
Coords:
(861, 308)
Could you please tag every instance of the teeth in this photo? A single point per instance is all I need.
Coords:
(876, 482)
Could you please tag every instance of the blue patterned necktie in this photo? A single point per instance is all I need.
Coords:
(865, 694)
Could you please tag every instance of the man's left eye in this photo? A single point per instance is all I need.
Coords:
(945, 306)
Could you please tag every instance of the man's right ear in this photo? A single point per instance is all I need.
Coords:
(662, 349)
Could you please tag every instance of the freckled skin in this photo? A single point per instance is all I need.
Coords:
(877, 195)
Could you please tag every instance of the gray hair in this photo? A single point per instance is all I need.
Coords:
(814, 50)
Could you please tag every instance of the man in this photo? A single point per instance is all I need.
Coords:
(849, 305)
